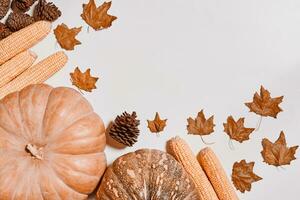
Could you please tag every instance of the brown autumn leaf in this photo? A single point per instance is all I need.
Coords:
(264, 105)
(157, 125)
(66, 37)
(83, 81)
(236, 130)
(200, 125)
(243, 176)
(278, 153)
(97, 18)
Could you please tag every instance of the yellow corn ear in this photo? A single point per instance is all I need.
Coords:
(216, 174)
(15, 66)
(178, 148)
(36, 74)
(23, 40)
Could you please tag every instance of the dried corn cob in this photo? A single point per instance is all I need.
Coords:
(36, 74)
(178, 148)
(23, 40)
(216, 174)
(15, 66)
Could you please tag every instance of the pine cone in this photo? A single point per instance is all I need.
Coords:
(125, 129)
(21, 5)
(17, 21)
(46, 11)
(4, 7)
(4, 31)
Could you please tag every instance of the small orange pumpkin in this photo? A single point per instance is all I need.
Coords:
(51, 145)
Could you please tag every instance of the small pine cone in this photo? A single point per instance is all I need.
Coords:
(17, 21)
(4, 31)
(125, 129)
(4, 7)
(46, 11)
(21, 5)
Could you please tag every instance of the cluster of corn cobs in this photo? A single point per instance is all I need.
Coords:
(18, 18)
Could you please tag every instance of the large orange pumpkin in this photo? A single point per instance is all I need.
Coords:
(51, 145)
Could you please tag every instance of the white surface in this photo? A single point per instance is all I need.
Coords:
(177, 57)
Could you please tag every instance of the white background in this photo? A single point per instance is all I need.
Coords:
(178, 57)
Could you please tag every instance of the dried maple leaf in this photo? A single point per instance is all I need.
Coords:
(264, 105)
(236, 130)
(157, 125)
(278, 153)
(97, 18)
(200, 125)
(243, 175)
(83, 81)
(66, 37)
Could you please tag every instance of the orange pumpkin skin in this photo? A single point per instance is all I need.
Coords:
(51, 145)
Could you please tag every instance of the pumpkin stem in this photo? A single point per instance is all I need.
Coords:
(35, 151)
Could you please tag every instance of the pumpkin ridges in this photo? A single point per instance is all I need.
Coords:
(118, 180)
(132, 185)
(79, 162)
(10, 142)
(104, 197)
(24, 128)
(72, 178)
(82, 146)
(18, 107)
(24, 179)
(8, 165)
(6, 121)
(162, 184)
(60, 190)
(46, 184)
(167, 185)
(49, 118)
(6, 191)
(115, 183)
(143, 160)
(156, 157)
(55, 136)
(33, 99)
(17, 177)
(35, 193)
(9, 120)
(60, 114)
(88, 122)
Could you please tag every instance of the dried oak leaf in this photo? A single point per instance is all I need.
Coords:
(200, 125)
(66, 37)
(243, 176)
(97, 18)
(157, 125)
(83, 81)
(236, 130)
(278, 153)
(264, 105)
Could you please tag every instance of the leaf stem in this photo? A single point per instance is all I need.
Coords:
(230, 144)
(207, 143)
(281, 167)
(258, 124)
(77, 88)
